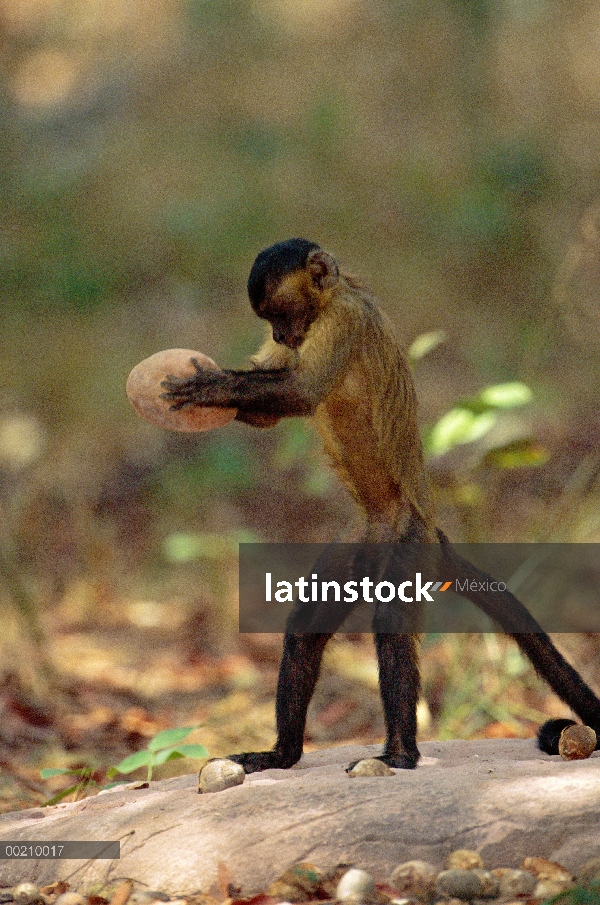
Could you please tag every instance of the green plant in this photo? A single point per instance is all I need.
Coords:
(86, 780)
(162, 747)
(496, 437)
(472, 418)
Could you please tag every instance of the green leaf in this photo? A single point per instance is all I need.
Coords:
(134, 761)
(198, 751)
(166, 754)
(182, 547)
(49, 772)
(506, 395)
(185, 546)
(59, 797)
(169, 737)
(425, 343)
(456, 427)
(521, 454)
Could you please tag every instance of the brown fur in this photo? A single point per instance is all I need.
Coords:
(367, 410)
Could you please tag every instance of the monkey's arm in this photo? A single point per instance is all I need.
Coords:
(270, 357)
(284, 383)
(281, 392)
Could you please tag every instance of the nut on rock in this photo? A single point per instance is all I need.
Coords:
(219, 774)
(577, 742)
(144, 392)
(370, 766)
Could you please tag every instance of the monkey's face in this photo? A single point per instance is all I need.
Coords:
(291, 298)
(290, 307)
(289, 330)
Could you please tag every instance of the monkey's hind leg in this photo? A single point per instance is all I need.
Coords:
(310, 625)
(399, 684)
(298, 676)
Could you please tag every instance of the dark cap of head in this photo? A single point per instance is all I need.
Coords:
(274, 263)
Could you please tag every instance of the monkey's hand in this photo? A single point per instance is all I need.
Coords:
(256, 761)
(182, 392)
(398, 761)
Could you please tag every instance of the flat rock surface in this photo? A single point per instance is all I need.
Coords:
(501, 797)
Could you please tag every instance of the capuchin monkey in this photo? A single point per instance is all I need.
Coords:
(333, 356)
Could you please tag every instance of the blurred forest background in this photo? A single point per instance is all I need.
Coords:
(449, 153)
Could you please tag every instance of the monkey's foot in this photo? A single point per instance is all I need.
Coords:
(398, 761)
(256, 761)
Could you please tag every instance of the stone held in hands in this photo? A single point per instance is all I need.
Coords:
(144, 391)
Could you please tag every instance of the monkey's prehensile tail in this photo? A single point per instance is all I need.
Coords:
(514, 618)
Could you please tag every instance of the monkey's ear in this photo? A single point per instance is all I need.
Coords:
(323, 269)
